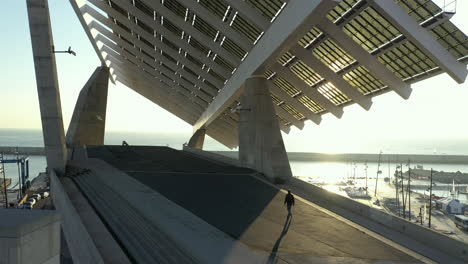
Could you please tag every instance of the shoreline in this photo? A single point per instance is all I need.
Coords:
(308, 156)
(366, 157)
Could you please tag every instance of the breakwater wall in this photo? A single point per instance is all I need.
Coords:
(22, 150)
(361, 157)
(309, 156)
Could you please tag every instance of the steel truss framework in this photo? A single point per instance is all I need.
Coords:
(192, 57)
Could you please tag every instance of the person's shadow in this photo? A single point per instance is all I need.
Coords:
(274, 251)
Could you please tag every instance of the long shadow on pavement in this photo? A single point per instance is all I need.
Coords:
(274, 251)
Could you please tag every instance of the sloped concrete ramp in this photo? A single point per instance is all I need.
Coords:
(234, 204)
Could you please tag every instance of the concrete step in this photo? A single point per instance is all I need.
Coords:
(144, 242)
(139, 225)
(114, 220)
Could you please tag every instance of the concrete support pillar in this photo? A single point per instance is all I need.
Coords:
(47, 84)
(261, 145)
(89, 117)
(197, 139)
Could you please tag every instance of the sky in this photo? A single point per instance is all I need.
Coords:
(431, 117)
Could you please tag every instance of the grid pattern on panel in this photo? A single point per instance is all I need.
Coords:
(172, 27)
(175, 7)
(218, 8)
(420, 9)
(447, 34)
(452, 39)
(268, 8)
(333, 55)
(286, 58)
(269, 74)
(357, 19)
(210, 85)
(216, 75)
(144, 8)
(276, 100)
(168, 44)
(226, 13)
(203, 26)
(407, 61)
(296, 114)
(233, 48)
(199, 46)
(311, 37)
(291, 110)
(341, 9)
(363, 80)
(370, 29)
(246, 28)
(309, 103)
(284, 85)
(222, 62)
(306, 73)
(334, 95)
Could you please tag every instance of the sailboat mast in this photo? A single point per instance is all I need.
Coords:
(409, 190)
(397, 198)
(403, 191)
(378, 171)
(366, 174)
(430, 201)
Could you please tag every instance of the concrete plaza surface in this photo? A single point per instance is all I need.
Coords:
(250, 210)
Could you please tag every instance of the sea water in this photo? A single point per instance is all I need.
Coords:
(324, 173)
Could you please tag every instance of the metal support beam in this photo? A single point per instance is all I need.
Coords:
(148, 61)
(164, 31)
(109, 35)
(144, 87)
(250, 13)
(322, 69)
(397, 16)
(135, 60)
(77, 5)
(286, 30)
(223, 27)
(308, 91)
(184, 62)
(47, 84)
(185, 26)
(288, 117)
(295, 104)
(364, 58)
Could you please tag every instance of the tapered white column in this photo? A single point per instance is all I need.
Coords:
(89, 117)
(261, 145)
(197, 139)
(47, 84)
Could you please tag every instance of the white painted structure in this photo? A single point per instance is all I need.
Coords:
(193, 57)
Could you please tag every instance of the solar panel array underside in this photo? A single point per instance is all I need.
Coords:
(181, 53)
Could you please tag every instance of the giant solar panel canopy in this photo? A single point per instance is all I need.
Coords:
(192, 57)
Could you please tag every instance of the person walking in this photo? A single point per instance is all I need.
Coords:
(289, 201)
